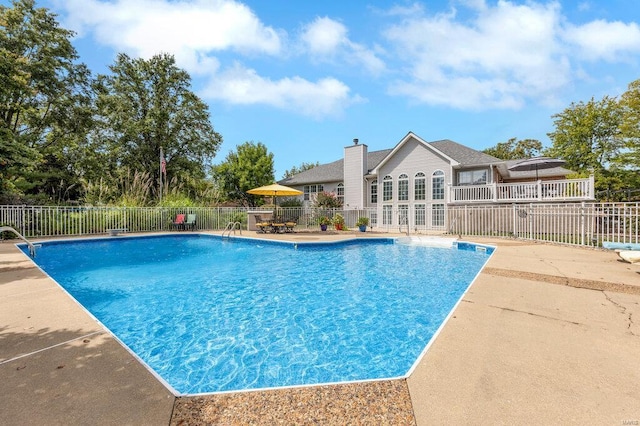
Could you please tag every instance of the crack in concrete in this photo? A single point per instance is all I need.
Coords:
(563, 280)
(623, 311)
(534, 314)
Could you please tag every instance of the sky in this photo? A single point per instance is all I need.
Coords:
(307, 77)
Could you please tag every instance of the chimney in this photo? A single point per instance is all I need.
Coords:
(355, 168)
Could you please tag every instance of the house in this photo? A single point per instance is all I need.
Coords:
(415, 181)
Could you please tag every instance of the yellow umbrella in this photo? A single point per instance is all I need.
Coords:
(275, 190)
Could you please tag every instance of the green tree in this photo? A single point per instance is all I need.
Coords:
(249, 167)
(146, 105)
(629, 158)
(514, 149)
(44, 100)
(587, 136)
(299, 169)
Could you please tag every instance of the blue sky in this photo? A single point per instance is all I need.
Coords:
(306, 77)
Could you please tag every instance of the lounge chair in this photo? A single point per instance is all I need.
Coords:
(631, 256)
(190, 222)
(178, 222)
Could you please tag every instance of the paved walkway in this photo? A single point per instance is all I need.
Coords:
(547, 334)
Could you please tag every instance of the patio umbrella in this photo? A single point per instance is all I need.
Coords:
(274, 190)
(536, 163)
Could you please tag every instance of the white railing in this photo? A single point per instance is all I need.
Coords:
(525, 192)
(570, 223)
(587, 224)
(53, 221)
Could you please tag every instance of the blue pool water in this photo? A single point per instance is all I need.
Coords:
(212, 315)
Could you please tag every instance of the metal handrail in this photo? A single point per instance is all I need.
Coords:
(32, 248)
(231, 226)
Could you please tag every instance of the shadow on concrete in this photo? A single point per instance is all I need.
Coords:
(75, 377)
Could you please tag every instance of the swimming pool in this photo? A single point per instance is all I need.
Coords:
(211, 315)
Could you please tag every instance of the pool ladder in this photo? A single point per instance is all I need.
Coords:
(32, 248)
(231, 226)
(404, 220)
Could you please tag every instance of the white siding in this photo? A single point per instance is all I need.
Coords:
(355, 167)
(413, 157)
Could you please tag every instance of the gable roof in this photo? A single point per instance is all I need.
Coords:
(459, 155)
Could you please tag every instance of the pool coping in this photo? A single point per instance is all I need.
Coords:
(454, 243)
(25, 287)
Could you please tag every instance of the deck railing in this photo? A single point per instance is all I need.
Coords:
(570, 223)
(525, 192)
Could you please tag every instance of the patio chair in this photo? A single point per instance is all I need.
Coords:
(178, 222)
(190, 222)
(262, 225)
(290, 224)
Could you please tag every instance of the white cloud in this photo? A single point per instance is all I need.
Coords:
(324, 36)
(413, 9)
(610, 41)
(507, 54)
(190, 29)
(503, 55)
(326, 40)
(239, 85)
(197, 32)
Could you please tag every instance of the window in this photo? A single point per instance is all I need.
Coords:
(387, 188)
(420, 215)
(437, 185)
(340, 193)
(420, 187)
(437, 215)
(403, 215)
(472, 177)
(311, 190)
(403, 187)
(386, 215)
(374, 192)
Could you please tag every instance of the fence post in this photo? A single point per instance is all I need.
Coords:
(22, 214)
(582, 224)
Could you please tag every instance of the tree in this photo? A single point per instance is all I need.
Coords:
(630, 129)
(301, 168)
(515, 149)
(44, 99)
(146, 105)
(587, 136)
(250, 167)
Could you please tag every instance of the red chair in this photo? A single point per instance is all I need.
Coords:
(178, 222)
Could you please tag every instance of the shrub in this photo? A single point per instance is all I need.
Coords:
(362, 221)
(327, 200)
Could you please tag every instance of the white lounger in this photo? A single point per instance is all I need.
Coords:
(631, 256)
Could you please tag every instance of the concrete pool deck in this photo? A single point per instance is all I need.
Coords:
(547, 334)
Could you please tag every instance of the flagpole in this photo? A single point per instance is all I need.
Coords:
(160, 164)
